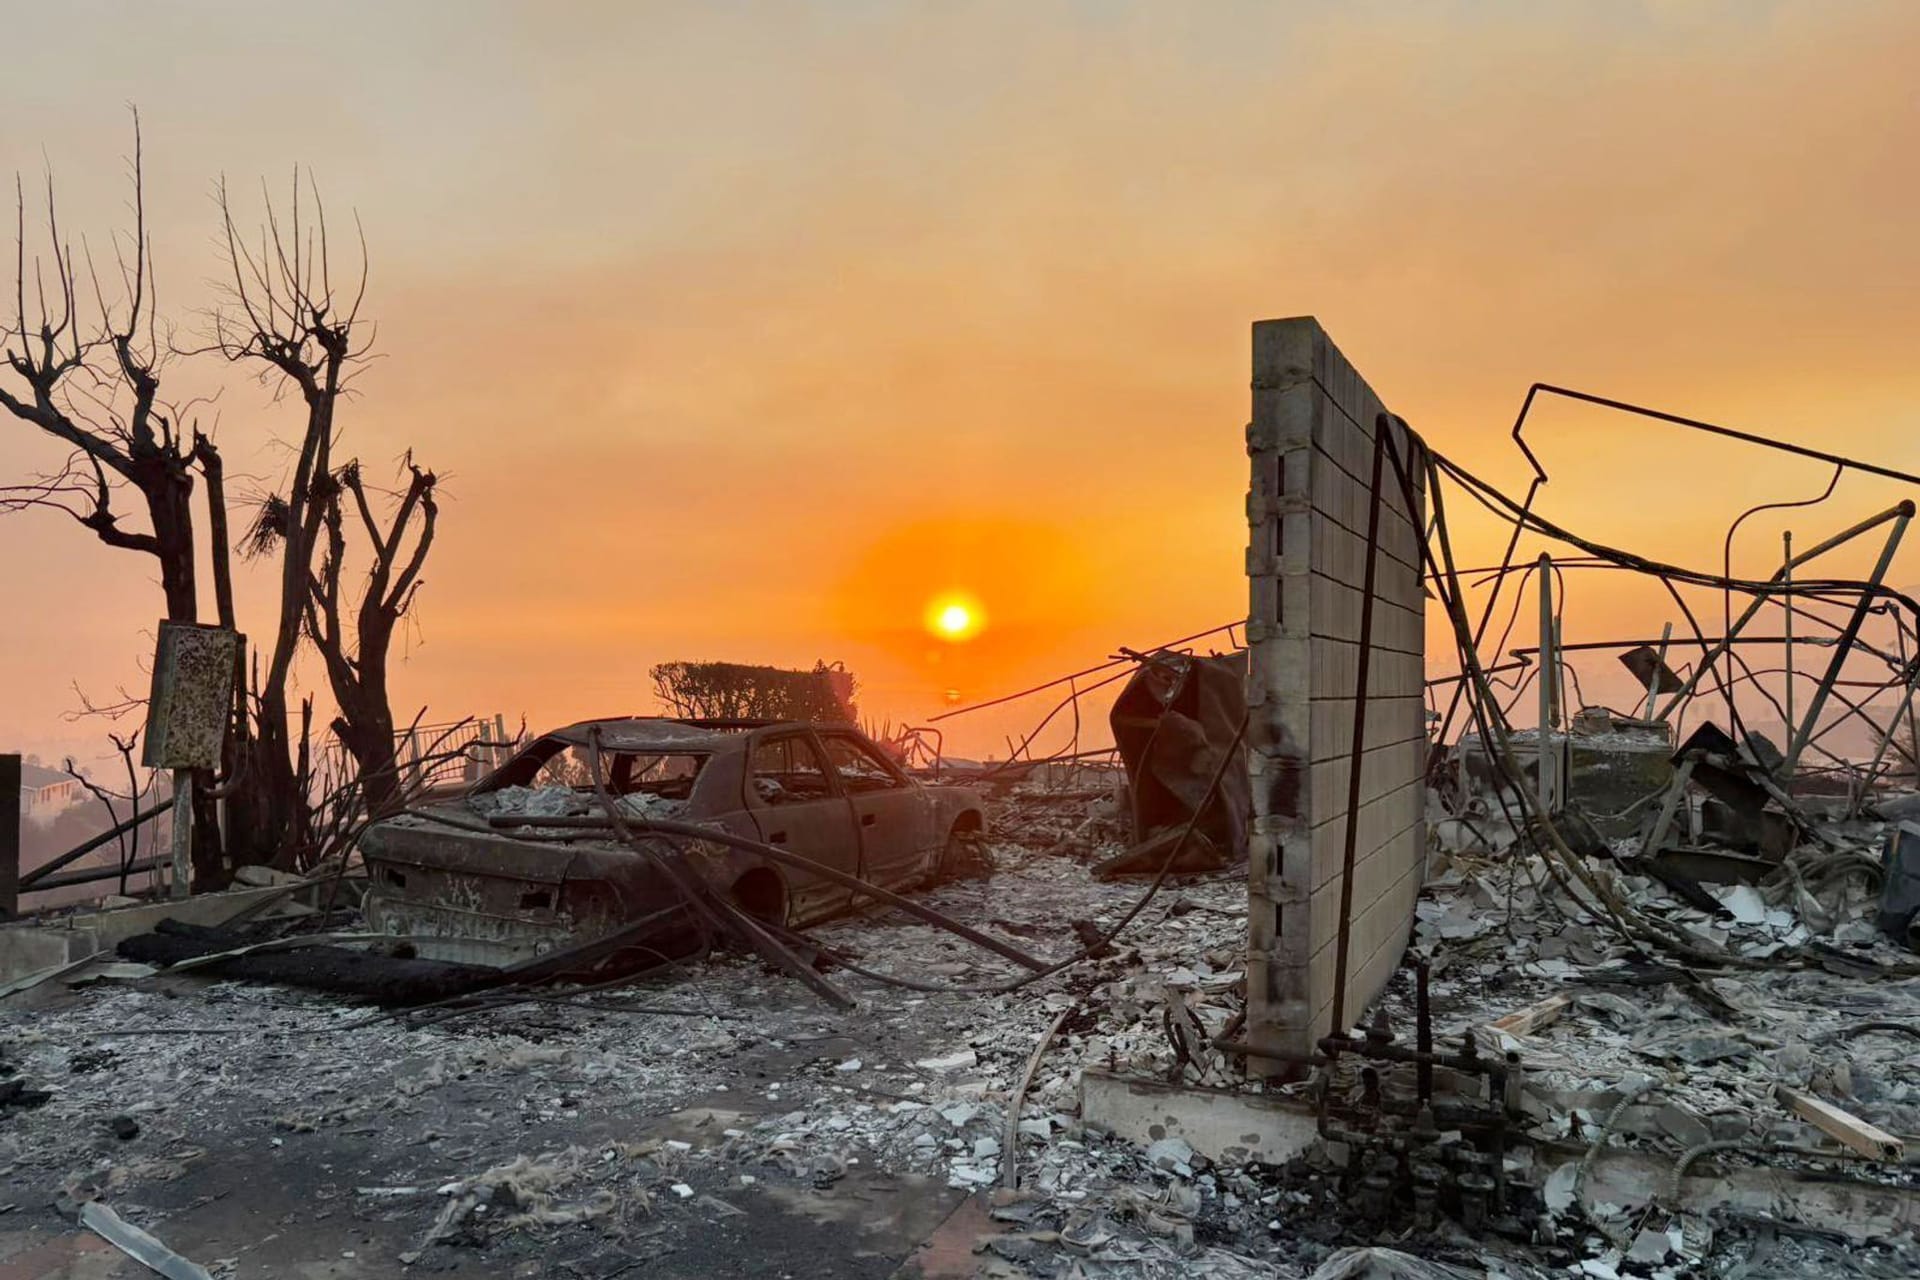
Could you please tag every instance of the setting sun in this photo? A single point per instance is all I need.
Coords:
(953, 618)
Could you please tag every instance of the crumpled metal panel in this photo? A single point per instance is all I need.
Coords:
(1172, 722)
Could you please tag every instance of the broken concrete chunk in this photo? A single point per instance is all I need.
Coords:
(1172, 1154)
(952, 1062)
(1558, 1191)
(1650, 1246)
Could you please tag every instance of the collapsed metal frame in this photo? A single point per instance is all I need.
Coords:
(1867, 598)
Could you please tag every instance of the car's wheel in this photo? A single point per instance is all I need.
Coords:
(965, 855)
(761, 894)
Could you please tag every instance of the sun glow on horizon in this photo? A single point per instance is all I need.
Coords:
(954, 618)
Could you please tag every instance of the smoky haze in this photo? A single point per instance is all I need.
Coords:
(742, 333)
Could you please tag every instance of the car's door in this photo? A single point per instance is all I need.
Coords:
(797, 804)
(897, 840)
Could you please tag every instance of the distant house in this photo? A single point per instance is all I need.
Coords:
(45, 793)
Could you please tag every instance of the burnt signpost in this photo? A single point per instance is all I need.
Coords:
(187, 716)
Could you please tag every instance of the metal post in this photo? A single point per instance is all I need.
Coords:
(1913, 721)
(1902, 512)
(1486, 614)
(1676, 791)
(1786, 576)
(1660, 661)
(1544, 757)
(182, 832)
(1562, 711)
(1357, 753)
(1844, 646)
(499, 739)
(1893, 722)
(9, 835)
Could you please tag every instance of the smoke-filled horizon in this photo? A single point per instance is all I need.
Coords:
(760, 333)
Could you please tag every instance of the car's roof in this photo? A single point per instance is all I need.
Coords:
(660, 733)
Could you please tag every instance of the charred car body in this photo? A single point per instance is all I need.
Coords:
(526, 863)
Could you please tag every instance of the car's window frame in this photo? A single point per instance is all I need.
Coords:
(897, 778)
(550, 747)
(748, 772)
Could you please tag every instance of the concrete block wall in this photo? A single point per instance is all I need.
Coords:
(1311, 445)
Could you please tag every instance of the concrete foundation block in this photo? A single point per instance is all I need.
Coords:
(1226, 1127)
(29, 946)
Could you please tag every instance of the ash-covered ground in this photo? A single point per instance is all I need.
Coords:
(724, 1122)
(265, 1131)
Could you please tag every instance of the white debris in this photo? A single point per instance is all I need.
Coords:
(960, 1061)
(1173, 1154)
(1744, 902)
(532, 802)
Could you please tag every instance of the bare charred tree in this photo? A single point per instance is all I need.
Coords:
(357, 663)
(284, 318)
(88, 376)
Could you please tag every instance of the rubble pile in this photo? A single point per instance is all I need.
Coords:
(1732, 1111)
(1666, 1117)
(562, 802)
(1086, 820)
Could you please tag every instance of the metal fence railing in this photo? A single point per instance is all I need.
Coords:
(438, 757)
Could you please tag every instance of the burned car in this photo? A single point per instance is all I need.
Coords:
(526, 862)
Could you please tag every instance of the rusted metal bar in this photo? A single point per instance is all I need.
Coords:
(1356, 756)
(1074, 675)
(786, 857)
(31, 878)
(1545, 758)
(1786, 574)
(1588, 646)
(1676, 789)
(721, 916)
(1872, 774)
(1805, 731)
(88, 875)
(1660, 660)
(1695, 424)
(1901, 513)
(1010, 1148)
(1913, 719)
(1467, 1060)
(1486, 614)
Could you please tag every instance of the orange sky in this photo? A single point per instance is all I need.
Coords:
(742, 330)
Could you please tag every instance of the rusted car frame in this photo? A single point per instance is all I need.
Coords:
(512, 870)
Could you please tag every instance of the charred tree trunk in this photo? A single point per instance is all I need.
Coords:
(239, 832)
(358, 676)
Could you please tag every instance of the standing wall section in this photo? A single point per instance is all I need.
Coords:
(1311, 446)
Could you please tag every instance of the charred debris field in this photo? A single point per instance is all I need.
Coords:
(719, 1120)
